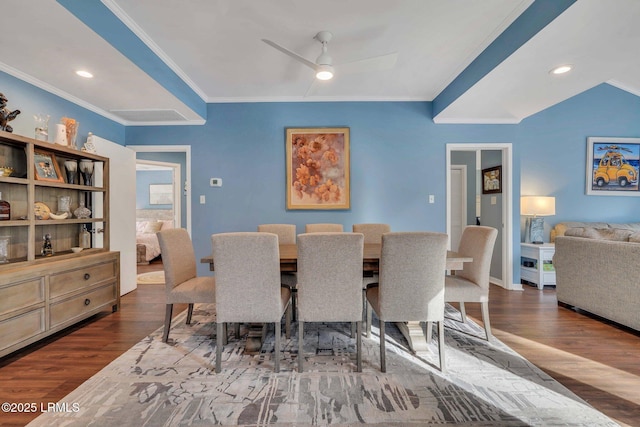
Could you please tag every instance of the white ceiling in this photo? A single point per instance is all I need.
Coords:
(215, 50)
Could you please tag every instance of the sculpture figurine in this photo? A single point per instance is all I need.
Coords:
(6, 115)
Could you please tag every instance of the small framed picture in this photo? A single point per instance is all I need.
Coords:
(46, 167)
(492, 180)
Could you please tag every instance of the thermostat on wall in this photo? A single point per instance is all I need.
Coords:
(216, 182)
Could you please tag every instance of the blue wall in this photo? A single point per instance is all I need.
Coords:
(397, 157)
(143, 179)
(31, 100)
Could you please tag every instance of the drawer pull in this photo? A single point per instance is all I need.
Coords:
(87, 276)
(87, 301)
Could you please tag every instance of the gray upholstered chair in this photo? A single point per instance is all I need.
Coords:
(471, 284)
(330, 283)
(181, 281)
(286, 232)
(248, 288)
(323, 228)
(286, 236)
(411, 287)
(372, 232)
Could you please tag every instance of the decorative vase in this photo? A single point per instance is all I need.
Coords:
(82, 212)
(86, 168)
(71, 126)
(71, 167)
(61, 135)
(64, 205)
(42, 127)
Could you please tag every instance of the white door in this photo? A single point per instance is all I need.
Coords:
(458, 203)
(122, 208)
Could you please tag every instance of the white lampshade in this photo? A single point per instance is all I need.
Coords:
(537, 205)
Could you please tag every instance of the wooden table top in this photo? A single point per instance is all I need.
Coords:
(370, 260)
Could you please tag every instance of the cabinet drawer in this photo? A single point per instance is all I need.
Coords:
(549, 278)
(81, 304)
(71, 280)
(22, 294)
(21, 328)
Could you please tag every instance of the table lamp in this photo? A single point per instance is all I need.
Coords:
(535, 207)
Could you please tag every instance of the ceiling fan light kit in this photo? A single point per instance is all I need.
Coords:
(323, 66)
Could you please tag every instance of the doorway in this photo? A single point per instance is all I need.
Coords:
(504, 223)
(180, 154)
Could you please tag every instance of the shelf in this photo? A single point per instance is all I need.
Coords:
(63, 185)
(68, 221)
(14, 180)
(14, 223)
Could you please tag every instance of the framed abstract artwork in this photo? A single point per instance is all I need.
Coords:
(612, 166)
(317, 168)
(46, 167)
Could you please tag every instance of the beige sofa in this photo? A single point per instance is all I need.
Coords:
(598, 269)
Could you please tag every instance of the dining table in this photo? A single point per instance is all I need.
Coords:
(412, 331)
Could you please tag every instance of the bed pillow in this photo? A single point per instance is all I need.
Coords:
(141, 226)
(166, 224)
(153, 227)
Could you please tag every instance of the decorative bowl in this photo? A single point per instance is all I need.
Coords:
(6, 170)
(76, 249)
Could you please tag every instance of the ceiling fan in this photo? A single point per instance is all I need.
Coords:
(323, 66)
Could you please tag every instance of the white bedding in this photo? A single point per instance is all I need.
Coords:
(147, 237)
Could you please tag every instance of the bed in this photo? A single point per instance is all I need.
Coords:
(148, 223)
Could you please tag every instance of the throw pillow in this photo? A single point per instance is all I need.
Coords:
(153, 227)
(166, 224)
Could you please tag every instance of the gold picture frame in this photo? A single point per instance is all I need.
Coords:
(318, 168)
(46, 167)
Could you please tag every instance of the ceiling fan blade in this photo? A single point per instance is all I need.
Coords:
(293, 55)
(376, 63)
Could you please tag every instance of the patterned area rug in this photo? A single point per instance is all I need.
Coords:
(151, 278)
(156, 384)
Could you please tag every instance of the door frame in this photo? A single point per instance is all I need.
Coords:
(464, 207)
(507, 201)
(173, 149)
(175, 182)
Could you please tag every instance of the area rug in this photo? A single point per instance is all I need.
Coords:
(151, 278)
(174, 384)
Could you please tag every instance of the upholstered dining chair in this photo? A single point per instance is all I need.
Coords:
(181, 281)
(286, 236)
(323, 228)
(411, 286)
(471, 284)
(330, 283)
(248, 289)
(372, 232)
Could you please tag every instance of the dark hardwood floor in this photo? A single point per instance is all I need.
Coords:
(596, 360)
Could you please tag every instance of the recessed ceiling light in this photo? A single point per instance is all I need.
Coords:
(561, 69)
(85, 74)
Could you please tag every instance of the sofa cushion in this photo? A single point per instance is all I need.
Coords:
(562, 227)
(618, 235)
(629, 226)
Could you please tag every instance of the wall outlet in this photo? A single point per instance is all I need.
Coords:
(215, 182)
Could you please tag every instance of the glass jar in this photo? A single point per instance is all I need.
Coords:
(84, 240)
(4, 249)
(64, 205)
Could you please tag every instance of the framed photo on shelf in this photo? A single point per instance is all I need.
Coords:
(492, 180)
(613, 165)
(317, 168)
(46, 167)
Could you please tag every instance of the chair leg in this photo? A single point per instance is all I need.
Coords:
(369, 320)
(443, 367)
(220, 332)
(353, 329)
(167, 322)
(300, 342)
(225, 339)
(359, 346)
(236, 330)
(383, 355)
(276, 353)
(189, 313)
(485, 319)
(463, 312)
(287, 321)
(429, 333)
